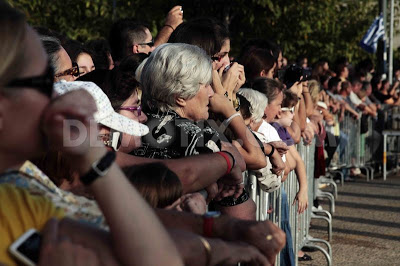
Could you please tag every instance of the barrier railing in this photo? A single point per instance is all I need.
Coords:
(363, 150)
(355, 152)
(299, 223)
(391, 141)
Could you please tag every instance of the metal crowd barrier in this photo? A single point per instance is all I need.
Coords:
(299, 223)
(391, 141)
(354, 155)
(362, 151)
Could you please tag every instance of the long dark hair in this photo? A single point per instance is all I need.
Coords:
(205, 33)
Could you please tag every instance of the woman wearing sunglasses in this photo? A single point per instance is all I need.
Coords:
(64, 68)
(33, 122)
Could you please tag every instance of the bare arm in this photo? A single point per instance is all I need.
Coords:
(173, 20)
(194, 252)
(125, 234)
(302, 114)
(248, 146)
(231, 229)
(307, 99)
(302, 195)
(190, 170)
(350, 110)
(295, 132)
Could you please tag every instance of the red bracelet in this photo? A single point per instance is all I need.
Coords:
(226, 157)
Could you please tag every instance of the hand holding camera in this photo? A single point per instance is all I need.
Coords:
(232, 77)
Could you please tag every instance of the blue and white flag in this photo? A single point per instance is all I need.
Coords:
(370, 40)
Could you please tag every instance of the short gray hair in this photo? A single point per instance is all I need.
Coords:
(174, 70)
(52, 46)
(258, 102)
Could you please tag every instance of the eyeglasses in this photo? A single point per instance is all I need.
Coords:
(136, 110)
(286, 109)
(43, 83)
(74, 71)
(151, 43)
(218, 57)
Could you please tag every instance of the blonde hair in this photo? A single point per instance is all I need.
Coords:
(12, 35)
(313, 87)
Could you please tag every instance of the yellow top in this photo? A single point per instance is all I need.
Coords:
(19, 211)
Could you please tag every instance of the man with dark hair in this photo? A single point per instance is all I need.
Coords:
(342, 72)
(128, 37)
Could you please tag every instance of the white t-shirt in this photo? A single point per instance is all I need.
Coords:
(269, 132)
(354, 99)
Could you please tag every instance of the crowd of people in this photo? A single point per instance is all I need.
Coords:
(131, 150)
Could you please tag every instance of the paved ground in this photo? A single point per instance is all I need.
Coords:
(366, 224)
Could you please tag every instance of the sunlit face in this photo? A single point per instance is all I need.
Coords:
(223, 55)
(64, 63)
(305, 63)
(21, 111)
(145, 48)
(273, 108)
(286, 116)
(130, 142)
(270, 73)
(345, 73)
(369, 90)
(85, 63)
(196, 108)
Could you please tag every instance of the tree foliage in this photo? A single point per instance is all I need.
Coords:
(314, 28)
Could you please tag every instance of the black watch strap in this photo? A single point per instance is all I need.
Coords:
(272, 151)
(99, 168)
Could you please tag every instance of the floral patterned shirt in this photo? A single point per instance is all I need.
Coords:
(31, 178)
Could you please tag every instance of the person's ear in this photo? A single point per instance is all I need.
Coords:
(279, 115)
(263, 73)
(135, 48)
(180, 102)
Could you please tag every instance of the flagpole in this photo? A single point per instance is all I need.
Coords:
(382, 49)
(391, 42)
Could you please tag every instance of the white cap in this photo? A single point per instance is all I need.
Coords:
(105, 114)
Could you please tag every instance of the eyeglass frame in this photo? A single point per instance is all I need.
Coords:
(43, 83)
(150, 44)
(74, 68)
(137, 108)
(287, 109)
(218, 57)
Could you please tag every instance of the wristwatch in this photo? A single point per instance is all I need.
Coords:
(99, 168)
(208, 221)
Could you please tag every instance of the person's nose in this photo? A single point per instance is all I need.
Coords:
(142, 118)
(210, 91)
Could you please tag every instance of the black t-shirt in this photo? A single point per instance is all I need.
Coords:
(381, 97)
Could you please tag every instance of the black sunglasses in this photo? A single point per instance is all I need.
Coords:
(43, 83)
(151, 43)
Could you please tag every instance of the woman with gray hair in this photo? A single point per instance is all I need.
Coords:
(177, 98)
